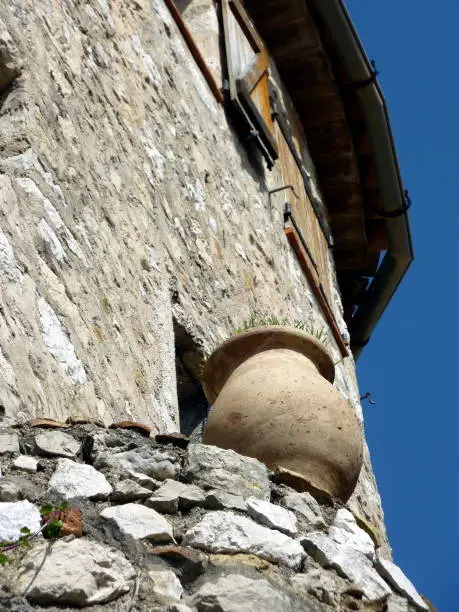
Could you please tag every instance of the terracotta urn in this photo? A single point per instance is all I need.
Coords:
(272, 396)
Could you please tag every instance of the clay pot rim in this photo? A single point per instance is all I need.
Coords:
(231, 353)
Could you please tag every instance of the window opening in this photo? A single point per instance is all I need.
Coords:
(247, 84)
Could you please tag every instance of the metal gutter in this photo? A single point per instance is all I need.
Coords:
(400, 253)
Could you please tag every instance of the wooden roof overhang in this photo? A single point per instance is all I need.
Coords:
(302, 38)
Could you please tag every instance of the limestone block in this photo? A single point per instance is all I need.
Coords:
(219, 500)
(128, 491)
(173, 494)
(345, 531)
(166, 585)
(143, 465)
(26, 463)
(139, 522)
(72, 480)
(237, 593)
(307, 507)
(348, 562)
(58, 444)
(272, 516)
(16, 515)
(399, 582)
(226, 532)
(9, 443)
(76, 573)
(215, 468)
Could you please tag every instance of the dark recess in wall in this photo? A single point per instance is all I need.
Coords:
(193, 406)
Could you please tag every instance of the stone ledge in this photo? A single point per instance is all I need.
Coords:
(212, 544)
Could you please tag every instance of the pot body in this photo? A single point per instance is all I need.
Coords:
(273, 402)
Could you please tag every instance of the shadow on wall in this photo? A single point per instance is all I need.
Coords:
(193, 405)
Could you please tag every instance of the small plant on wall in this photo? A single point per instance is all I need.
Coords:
(264, 319)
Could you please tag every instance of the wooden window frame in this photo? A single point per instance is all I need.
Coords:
(195, 52)
(240, 87)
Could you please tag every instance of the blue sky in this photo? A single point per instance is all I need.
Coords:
(410, 365)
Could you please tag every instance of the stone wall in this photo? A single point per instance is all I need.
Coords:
(128, 199)
(161, 524)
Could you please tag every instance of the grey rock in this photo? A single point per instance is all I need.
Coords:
(272, 516)
(16, 515)
(9, 443)
(226, 532)
(173, 494)
(74, 573)
(216, 468)
(219, 500)
(348, 562)
(400, 583)
(56, 443)
(144, 465)
(139, 522)
(128, 491)
(345, 531)
(237, 593)
(324, 585)
(395, 603)
(26, 463)
(71, 480)
(10, 491)
(166, 585)
(307, 507)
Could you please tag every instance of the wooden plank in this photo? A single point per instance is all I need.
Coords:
(192, 46)
(302, 256)
(302, 209)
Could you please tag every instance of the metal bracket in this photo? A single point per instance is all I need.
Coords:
(282, 189)
(391, 214)
(371, 79)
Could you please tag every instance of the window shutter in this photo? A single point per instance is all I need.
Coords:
(247, 70)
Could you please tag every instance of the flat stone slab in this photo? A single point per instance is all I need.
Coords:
(216, 468)
(72, 480)
(345, 531)
(55, 443)
(307, 507)
(399, 582)
(219, 500)
(76, 573)
(173, 494)
(272, 516)
(139, 522)
(128, 490)
(237, 593)
(145, 465)
(16, 515)
(26, 463)
(348, 562)
(226, 532)
(9, 443)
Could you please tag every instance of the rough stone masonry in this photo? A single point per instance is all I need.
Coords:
(153, 527)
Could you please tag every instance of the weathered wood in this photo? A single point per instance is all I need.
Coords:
(192, 46)
(304, 260)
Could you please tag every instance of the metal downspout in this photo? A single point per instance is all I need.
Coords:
(400, 249)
